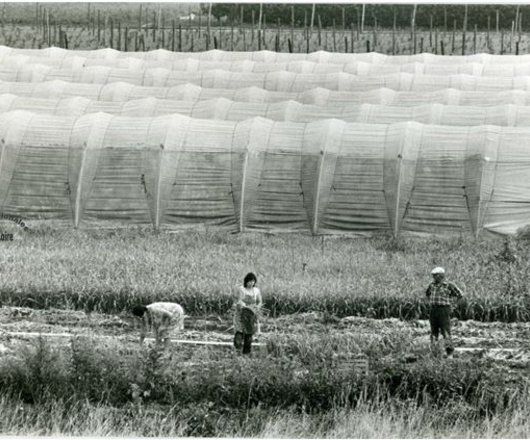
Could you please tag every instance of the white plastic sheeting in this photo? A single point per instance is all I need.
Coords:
(247, 66)
(120, 91)
(324, 176)
(279, 81)
(224, 109)
(269, 56)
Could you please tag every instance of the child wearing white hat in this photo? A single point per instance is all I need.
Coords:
(440, 295)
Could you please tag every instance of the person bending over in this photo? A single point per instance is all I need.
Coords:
(161, 317)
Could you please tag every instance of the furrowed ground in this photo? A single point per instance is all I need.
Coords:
(70, 362)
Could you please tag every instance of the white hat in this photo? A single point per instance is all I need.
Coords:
(437, 270)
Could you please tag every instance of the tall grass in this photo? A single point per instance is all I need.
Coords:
(366, 420)
(295, 390)
(109, 271)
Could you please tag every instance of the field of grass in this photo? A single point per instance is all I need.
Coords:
(295, 390)
(108, 271)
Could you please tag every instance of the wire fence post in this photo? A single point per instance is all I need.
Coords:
(413, 28)
(464, 31)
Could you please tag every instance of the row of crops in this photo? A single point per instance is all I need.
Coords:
(320, 143)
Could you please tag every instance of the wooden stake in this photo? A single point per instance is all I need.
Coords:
(48, 26)
(413, 27)
(520, 26)
(220, 36)
(292, 22)
(154, 26)
(430, 33)
(334, 41)
(277, 40)
(232, 34)
(307, 40)
(319, 31)
(111, 39)
(208, 26)
(475, 39)
(375, 33)
(511, 36)
(464, 31)
(173, 35)
(180, 37)
(44, 26)
(244, 40)
(140, 18)
(362, 18)
(394, 33)
(517, 15)
(413, 21)
(351, 26)
(252, 32)
(488, 34)
(263, 31)
(99, 28)
(313, 10)
(200, 21)
(454, 36)
(162, 33)
(119, 36)
(497, 20)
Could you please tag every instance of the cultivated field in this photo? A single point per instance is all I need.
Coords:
(87, 375)
(299, 382)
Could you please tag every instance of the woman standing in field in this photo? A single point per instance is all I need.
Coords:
(246, 309)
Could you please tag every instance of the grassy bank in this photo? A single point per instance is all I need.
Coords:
(297, 389)
(108, 271)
